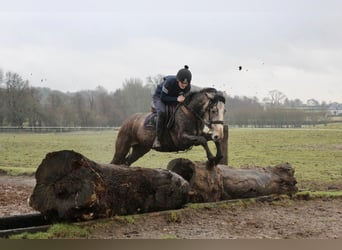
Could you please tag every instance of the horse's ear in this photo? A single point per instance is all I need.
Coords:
(210, 95)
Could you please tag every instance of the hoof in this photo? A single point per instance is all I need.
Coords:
(210, 164)
(218, 159)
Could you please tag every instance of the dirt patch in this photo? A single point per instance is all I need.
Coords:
(284, 219)
(15, 191)
(314, 219)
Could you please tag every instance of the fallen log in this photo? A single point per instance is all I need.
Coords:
(224, 183)
(71, 187)
(258, 181)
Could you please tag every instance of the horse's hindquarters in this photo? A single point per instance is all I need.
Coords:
(132, 134)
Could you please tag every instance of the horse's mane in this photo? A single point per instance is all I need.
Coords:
(208, 90)
(218, 95)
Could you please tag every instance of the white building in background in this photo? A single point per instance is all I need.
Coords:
(335, 109)
(312, 102)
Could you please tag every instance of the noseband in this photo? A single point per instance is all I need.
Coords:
(212, 104)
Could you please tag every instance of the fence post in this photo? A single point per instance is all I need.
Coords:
(224, 146)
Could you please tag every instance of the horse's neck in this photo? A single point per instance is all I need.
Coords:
(196, 107)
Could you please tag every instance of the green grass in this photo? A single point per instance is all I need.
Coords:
(56, 231)
(331, 125)
(319, 194)
(130, 219)
(25, 151)
(315, 153)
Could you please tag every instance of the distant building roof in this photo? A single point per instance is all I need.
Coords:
(335, 106)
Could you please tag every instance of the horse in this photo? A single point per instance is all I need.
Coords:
(200, 109)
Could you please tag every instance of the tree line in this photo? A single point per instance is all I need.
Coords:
(24, 105)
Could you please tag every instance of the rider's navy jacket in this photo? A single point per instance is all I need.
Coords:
(168, 90)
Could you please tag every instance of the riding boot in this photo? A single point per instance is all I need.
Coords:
(159, 132)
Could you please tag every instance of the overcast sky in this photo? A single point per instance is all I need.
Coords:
(70, 45)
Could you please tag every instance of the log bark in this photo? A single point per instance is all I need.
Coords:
(224, 183)
(71, 187)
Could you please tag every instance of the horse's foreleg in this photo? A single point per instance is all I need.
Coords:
(211, 158)
(201, 140)
(195, 140)
(219, 154)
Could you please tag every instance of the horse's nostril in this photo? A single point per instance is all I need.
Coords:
(215, 137)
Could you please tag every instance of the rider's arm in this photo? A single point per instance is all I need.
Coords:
(165, 97)
(166, 94)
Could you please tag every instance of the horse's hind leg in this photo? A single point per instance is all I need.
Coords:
(137, 152)
(120, 154)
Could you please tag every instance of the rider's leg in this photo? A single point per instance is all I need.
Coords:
(160, 107)
(159, 131)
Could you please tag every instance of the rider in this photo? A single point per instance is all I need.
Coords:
(171, 91)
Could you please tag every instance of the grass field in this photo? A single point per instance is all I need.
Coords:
(315, 153)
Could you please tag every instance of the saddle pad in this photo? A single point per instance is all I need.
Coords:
(150, 121)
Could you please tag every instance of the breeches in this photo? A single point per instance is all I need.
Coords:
(159, 105)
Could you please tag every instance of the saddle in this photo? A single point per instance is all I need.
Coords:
(151, 119)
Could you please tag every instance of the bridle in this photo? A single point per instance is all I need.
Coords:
(210, 121)
(212, 104)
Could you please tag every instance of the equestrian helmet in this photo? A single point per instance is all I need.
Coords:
(184, 75)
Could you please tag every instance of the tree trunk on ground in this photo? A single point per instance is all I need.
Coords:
(71, 187)
(224, 183)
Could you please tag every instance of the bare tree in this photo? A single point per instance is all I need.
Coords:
(17, 91)
(153, 81)
(1, 76)
(275, 97)
(137, 98)
(56, 104)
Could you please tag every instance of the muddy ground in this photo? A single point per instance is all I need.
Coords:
(284, 219)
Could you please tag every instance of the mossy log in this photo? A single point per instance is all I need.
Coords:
(71, 187)
(224, 183)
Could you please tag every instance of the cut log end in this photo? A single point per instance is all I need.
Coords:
(72, 187)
